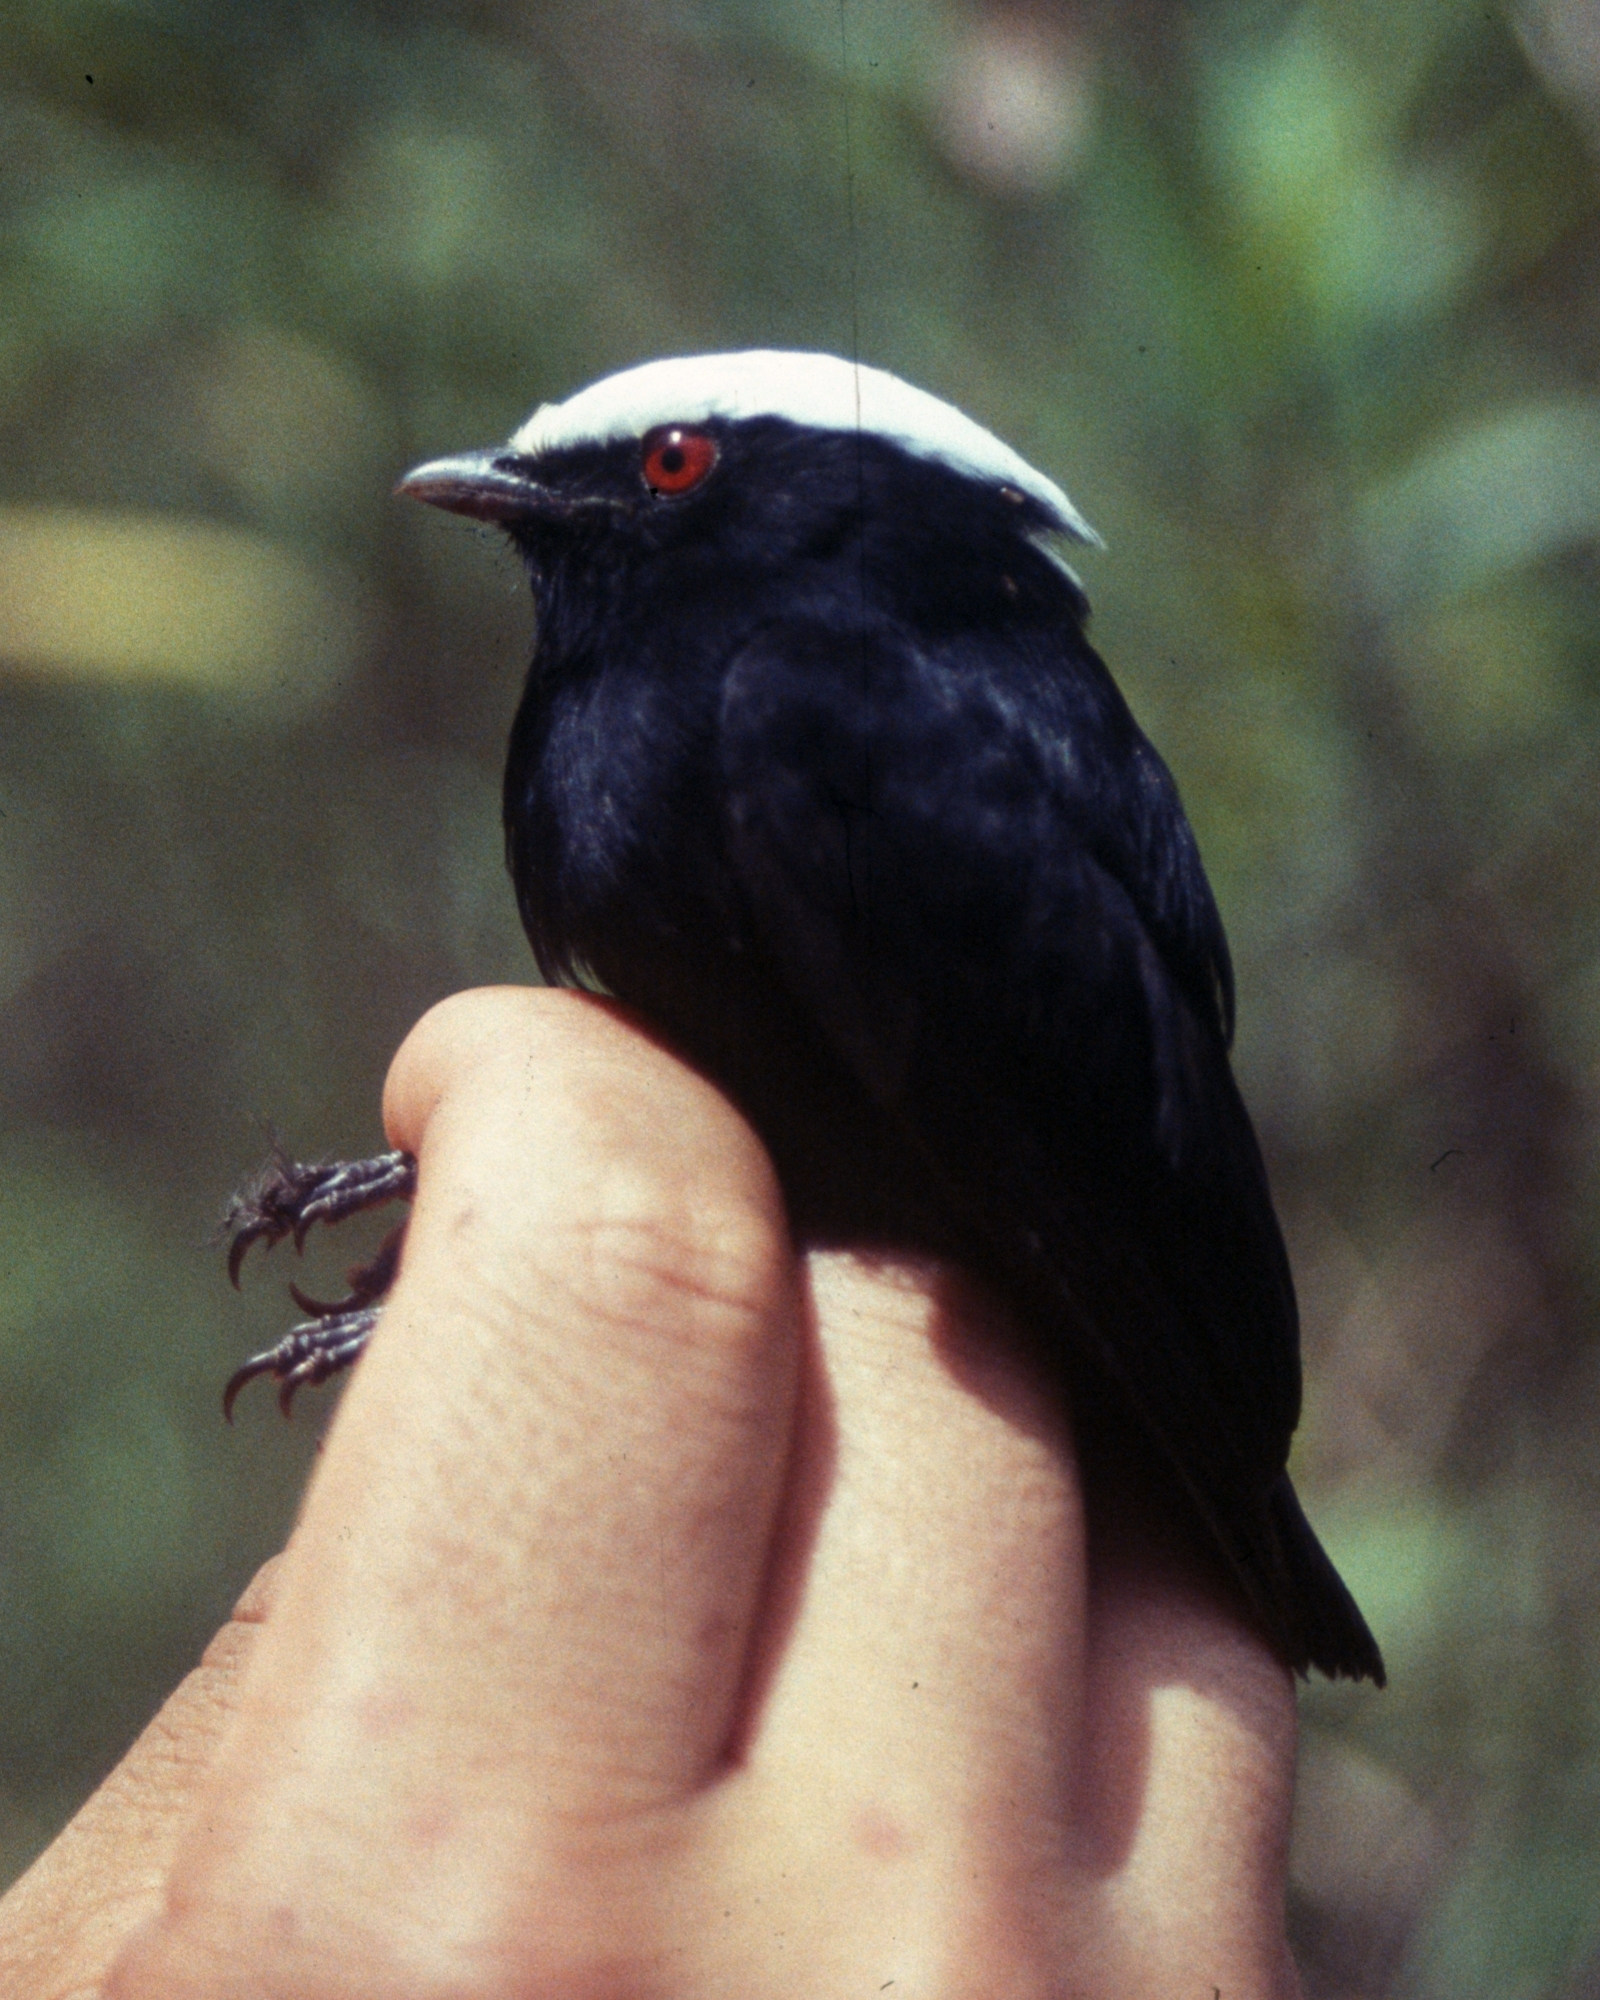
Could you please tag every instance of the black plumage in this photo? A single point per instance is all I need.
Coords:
(817, 769)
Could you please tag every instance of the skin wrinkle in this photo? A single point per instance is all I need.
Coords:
(644, 1244)
(499, 1333)
(708, 1249)
(493, 1306)
(630, 1268)
(601, 1722)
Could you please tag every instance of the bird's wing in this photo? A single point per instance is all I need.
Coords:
(931, 861)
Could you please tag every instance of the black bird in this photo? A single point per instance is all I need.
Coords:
(817, 770)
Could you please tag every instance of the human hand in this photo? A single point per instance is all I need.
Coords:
(670, 1617)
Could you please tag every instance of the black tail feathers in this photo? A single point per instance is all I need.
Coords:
(1307, 1607)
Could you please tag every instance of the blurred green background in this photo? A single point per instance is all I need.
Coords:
(1299, 301)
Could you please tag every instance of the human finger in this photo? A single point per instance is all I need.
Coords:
(514, 1615)
(997, 1750)
(912, 1769)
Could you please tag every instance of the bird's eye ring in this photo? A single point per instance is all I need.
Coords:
(674, 459)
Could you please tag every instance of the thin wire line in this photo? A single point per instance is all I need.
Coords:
(850, 206)
(864, 807)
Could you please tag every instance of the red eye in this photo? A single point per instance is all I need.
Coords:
(676, 459)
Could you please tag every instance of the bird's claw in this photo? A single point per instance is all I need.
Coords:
(367, 1282)
(288, 1197)
(306, 1354)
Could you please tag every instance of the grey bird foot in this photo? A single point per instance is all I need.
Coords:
(286, 1199)
(308, 1353)
(289, 1196)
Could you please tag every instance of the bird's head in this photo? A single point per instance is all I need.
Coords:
(680, 472)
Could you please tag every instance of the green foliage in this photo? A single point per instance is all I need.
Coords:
(1296, 299)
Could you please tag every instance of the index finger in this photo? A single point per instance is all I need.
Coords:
(513, 1618)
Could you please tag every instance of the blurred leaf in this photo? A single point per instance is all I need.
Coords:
(290, 426)
(1519, 486)
(129, 597)
(1299, 130)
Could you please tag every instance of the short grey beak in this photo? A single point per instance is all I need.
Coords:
(491, 485)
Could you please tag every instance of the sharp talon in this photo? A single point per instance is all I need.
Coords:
(317, 1308)
(258, 1364)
